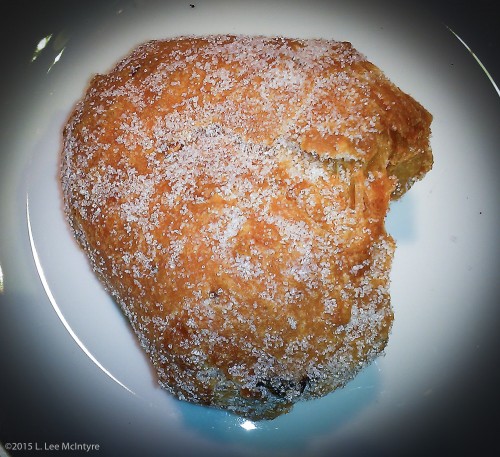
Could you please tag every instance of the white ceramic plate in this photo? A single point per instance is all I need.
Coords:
(77, 374)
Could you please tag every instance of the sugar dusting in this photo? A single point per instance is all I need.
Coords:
(222, 189)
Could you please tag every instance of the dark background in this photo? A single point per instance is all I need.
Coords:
(470, 425)
(477, 22)
(24, 23)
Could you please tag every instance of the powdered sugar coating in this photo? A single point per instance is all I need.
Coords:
(230, 192)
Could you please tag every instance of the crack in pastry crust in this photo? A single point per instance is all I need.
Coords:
(230, 192)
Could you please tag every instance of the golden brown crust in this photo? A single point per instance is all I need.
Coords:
(230, 192)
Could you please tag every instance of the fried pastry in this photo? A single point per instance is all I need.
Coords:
(230, 193)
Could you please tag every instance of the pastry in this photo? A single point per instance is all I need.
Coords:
(230, 193)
